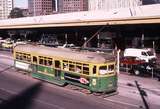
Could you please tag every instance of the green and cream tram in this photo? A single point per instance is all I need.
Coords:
(93, 71)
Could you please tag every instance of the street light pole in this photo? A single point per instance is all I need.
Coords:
(118, 61)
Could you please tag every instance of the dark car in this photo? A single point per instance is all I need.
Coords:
(139, 67)
(146, 69)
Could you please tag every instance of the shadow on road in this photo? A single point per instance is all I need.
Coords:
(23, 100)
(6, 69)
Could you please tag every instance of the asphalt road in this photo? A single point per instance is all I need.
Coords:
(19, 90)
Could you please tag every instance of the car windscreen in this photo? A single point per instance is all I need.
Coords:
(150, 53)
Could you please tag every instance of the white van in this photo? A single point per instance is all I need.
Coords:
(142, 54)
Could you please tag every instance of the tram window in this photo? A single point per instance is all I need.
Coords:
(24, 57)
(94, 69)
(40, 61)
(57, 64)
(20, 57)
(34, 59)
(45, 62)
(103, 70)
(49, 62)
(78, 69)
(71, 67)
(28, 58)
(85, 70)
(17, 56)
(110, 67)
(65, 66)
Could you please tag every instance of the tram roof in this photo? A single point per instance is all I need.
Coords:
(66, 54)
(147, 14)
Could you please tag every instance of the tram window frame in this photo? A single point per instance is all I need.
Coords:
(65, 65)
(50, 62)
(41, 61)
(57, 64)
(86, 69)
(109, 69)
(78, 69)
(45, 61)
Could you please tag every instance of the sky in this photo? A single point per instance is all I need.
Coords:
(21, 3)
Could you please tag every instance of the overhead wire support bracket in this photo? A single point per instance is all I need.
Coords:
(93, 36)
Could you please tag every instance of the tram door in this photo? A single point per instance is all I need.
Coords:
(34, 65)
(57, 69)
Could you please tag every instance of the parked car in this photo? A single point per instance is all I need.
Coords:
(139, 67)
(7, 44)
(146, 69)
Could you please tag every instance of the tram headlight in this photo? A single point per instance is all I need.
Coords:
(94, 82)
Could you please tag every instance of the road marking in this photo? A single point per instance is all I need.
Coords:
(6, 56)
(124, 103)
(40, 101)
(8, 91)
(53, 105)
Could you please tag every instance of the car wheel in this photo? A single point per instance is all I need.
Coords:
(136, 72)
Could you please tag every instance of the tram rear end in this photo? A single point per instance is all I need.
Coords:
(105, 79)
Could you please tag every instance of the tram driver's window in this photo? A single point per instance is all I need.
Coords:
(57, 64)
(111, 67)
(103, 70)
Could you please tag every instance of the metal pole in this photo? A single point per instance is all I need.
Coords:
(98, 41)
(142, 40)
(142, 95)
(154, 48)
(152, 72)
(66, 38)
(118, 61)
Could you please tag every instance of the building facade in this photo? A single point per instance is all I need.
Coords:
(40, 7)
(112, 4)
(148, 2)
(5, 7)
(72, 5)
